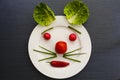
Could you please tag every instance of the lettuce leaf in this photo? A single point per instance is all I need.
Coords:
(43, 15)
(76, 12)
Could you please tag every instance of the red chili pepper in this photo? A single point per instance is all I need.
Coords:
(59, 63)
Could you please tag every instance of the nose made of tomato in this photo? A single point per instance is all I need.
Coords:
(61, 47)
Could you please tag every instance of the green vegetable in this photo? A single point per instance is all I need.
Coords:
(43, 15)
(76, 12)
(43, 52)
(47, 30)
(47, 50)
(48, 58)
(74, 29)
(74, 54)
(73, 51)
(68, 54)
(71, 59)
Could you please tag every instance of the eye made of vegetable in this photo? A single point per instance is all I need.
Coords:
(46, 36)
(72, 37)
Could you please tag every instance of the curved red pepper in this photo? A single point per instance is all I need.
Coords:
(59, 63)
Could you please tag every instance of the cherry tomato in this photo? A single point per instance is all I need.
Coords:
(61, 47)
(46, 36)
(72, 37)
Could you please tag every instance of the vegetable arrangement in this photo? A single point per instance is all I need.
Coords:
(76, 13)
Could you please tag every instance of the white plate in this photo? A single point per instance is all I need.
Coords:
(60, 32)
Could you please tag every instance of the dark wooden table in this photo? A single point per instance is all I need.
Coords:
(16, 24)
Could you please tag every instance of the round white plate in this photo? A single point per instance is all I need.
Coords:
(60, 32)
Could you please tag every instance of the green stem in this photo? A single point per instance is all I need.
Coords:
(73, 51)
(72, 59)
(74, 54)
(47, 30)
(46, 49)
(74, 29)
(43, 52)
(47, 58)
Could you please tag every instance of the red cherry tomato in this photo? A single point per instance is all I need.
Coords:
(46, 36)
(72, 37)
(61, 47)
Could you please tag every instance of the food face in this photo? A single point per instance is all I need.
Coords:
(61, 40)
(61, 43)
